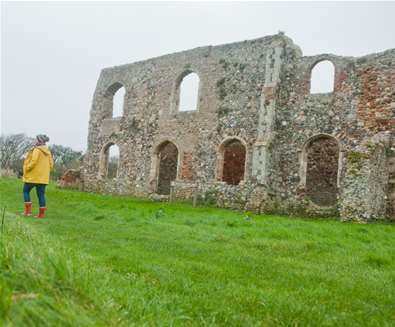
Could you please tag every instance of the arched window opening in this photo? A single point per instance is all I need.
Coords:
(189, 92)
(321, 170)
(113, 162)
(168, 160)
(234, 156)
(117, 103)
(322, 77)
(115, 95)
(109, 164)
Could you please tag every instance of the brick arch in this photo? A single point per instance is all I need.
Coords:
(109, 94)
(232, 159)
(319, 169)
(112, 89)
(185, 73)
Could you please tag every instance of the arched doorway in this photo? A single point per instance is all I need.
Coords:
(322, 164)
(167, 168)
(232, 163)
(109, 161)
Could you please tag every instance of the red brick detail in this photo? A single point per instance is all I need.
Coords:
(377, 94)
(186, 167)
(71, 178)
(306, 84)
(340, 77)
(386, 123)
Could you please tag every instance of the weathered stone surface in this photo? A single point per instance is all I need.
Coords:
(257, 92)
(322, 169)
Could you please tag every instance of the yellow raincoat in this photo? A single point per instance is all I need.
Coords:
(37, 165)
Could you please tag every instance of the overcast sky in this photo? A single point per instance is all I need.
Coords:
(52, 53)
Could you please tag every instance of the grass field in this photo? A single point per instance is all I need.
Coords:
(115, 261)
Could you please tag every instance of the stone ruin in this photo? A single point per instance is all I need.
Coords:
(258, 139)
(71, 179)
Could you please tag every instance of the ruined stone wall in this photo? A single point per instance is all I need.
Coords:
(358, 113)
(258, 93)
(231, 81)
(391, 186)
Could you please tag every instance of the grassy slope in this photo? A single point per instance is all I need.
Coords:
(103, 260)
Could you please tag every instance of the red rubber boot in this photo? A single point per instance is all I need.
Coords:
(28, 209)
(41, 213)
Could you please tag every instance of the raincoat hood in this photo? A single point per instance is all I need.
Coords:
(44, 149)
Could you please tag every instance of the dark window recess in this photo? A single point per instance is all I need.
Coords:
(234, 162)
(321, 174)
(168, 156)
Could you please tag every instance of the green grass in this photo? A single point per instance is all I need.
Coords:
(101, 260)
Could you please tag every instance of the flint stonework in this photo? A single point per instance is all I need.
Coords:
(297, 153)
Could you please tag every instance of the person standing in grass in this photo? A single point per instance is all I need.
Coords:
(36, 169)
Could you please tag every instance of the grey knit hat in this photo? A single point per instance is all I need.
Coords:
(42, 138)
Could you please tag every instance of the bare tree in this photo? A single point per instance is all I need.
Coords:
(12, 149)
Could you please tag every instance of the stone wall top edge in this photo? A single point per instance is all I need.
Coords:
(204, 49)
(377, 55)
(370, 56)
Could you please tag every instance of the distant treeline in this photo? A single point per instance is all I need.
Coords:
(14, 147)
